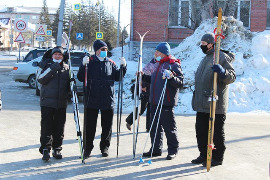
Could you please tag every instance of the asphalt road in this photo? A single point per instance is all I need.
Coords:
(247, 139)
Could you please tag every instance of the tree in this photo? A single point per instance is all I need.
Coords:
(44, 15)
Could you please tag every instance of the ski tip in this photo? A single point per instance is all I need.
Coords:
(141, 160)
(150, 161)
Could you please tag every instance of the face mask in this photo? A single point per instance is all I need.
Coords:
(204, 48)
(103, 54)
(58, 61)
(158, 58)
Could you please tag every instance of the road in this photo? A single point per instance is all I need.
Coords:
(247, 139)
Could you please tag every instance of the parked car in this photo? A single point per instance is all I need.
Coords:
(76, 58)
(24, 71)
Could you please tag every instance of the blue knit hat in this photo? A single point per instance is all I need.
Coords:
(98, 44)
(164, 48)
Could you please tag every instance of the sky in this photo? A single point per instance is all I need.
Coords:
(112, 6)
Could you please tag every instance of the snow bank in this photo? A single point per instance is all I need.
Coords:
(251, 90)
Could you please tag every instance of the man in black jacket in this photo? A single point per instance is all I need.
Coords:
(54, 80)
(101, 74)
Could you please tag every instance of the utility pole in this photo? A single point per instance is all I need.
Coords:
(60, 24)
(118, 25)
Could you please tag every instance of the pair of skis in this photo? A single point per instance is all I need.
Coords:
(75, 101)
(137, 96)
(210, 146)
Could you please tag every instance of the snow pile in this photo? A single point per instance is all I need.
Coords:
(250, 91)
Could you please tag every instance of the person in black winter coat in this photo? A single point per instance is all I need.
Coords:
(166, 67)
(101, 75)
(54, 80)
(145, 105)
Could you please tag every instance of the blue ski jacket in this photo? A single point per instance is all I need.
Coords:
(101, 76)
(157, 82)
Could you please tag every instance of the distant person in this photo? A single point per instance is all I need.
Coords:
(200, 101)
(55, 88)
(167, 67)
(145, 105)
(101, 75)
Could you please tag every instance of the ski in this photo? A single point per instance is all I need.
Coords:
(214, 97)
(75, 101)
(137, 98)
(120, 97)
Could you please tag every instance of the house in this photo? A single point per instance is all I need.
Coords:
(167, 20)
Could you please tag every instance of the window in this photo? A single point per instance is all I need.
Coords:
(244, 12)
(18, 16)
(34, 17)
(26, 17)
(268, 15)
(182, 15)
(180, 12)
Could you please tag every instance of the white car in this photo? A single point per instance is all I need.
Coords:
(25, 72)
(76, 60)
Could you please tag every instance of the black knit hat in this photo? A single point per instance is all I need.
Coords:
(209, 38)
(98, 44)
(58, 49)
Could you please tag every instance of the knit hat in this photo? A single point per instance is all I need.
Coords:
(164, 48)
(58, 49)
(98, 44)
(209, 38)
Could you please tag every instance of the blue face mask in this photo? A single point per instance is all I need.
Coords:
(158, 58)
(103, 54)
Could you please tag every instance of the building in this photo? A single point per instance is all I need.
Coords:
(167, 20)
(31, 14)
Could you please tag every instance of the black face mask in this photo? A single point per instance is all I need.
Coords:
(204, 48)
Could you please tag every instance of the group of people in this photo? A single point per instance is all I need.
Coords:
(163, 69)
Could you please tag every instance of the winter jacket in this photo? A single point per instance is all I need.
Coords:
(204, 83)
(157, 82)
(55, 85)
(100, 82)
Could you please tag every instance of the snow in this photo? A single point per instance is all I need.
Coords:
(251, 90)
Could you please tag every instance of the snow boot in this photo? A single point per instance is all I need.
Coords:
(57, 154)
(46, 155)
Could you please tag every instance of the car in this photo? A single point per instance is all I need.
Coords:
(76, 58)
(24, 71)
(33, 54)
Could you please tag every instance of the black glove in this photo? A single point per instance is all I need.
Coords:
(55, 66)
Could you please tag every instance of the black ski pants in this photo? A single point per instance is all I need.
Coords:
(52, 128)
(202, 125)
(90, 129)
(168, 125)
(145, 105)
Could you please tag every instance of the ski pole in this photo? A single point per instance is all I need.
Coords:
(162, 94)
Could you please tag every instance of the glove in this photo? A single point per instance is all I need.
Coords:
(123, 61)
(85, 60)
(55, 66)
(219, 69)
(167, 74)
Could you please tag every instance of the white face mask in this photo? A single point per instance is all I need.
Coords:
(58, 61)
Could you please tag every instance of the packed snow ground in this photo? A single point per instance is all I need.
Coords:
(251, 90)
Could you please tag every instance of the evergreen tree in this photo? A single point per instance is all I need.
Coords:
(44, 15)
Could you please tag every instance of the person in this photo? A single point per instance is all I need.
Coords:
(200, 103)
(166, 67)
(101, 75)
(55, 89)
(145, 105)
